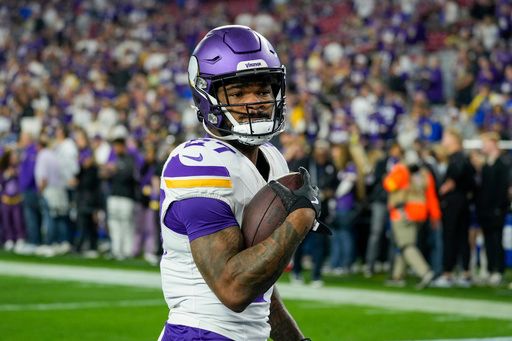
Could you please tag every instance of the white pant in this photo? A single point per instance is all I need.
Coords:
(121, 225)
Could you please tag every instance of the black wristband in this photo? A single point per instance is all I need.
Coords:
(306, 339)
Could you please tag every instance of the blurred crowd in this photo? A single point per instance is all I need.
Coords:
(94, 94)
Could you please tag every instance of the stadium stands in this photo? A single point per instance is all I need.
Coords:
(361, 74)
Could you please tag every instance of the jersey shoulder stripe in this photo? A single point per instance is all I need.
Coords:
(177, 169)
(194, 164)
(201, 182)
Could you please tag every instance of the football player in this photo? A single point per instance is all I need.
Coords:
(214, 287)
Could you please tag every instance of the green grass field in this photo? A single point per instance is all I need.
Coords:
(38, 309)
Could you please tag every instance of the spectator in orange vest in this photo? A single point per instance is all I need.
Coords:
(412, 200)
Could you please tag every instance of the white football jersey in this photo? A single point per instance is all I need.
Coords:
(212, 169)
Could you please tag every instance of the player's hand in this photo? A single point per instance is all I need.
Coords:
(307, 196)
(312, 193)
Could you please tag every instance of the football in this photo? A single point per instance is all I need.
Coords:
(265, 212)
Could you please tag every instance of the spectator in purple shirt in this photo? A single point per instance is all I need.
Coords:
(28, 188)
(435, 87)
(12, 217)
(487, 75)
(342, 240)
(500, 57)
(146, 227)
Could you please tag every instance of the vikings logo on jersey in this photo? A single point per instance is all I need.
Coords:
(209, 168)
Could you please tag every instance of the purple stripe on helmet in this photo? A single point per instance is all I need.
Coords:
(177, 169)
(179, 332)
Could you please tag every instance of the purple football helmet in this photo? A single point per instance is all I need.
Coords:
(236, 55)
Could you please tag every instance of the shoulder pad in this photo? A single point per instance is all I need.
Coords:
(198, 163)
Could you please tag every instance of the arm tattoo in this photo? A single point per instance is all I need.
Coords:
(283, 326)
(212, 252)
(226, 266)
(260, 266)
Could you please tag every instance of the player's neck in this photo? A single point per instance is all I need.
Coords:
(254, 154)
(251, 152)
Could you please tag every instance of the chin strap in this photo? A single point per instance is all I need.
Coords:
(224, 138)
(232, 137)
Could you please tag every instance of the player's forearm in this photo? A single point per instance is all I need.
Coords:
(254, 270)
(237, 275)
(283, 326)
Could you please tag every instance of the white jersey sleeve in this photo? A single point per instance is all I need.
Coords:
(195, 169)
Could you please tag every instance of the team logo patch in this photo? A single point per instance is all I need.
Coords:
(251, 64)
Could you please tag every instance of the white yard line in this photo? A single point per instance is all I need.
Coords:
(82, 274)
(78, 305)
(361, 297)
(401, 301)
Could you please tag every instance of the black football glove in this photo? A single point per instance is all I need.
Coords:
(304, 197)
